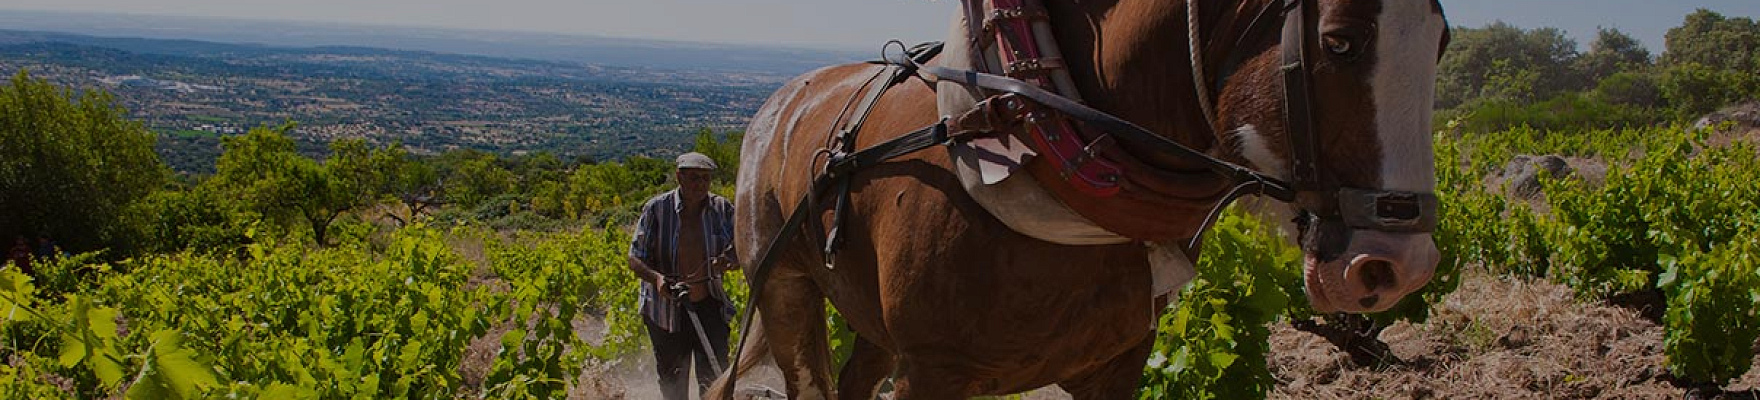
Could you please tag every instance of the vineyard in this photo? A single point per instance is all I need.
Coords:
(388, 318)
(391, 312)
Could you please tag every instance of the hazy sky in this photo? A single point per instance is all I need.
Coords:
(840, 23)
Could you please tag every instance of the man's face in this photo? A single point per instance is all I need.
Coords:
(693, 183)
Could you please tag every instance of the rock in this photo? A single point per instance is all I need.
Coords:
(1745, 115)
(1521, 176)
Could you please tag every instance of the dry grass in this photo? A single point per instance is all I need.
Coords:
(1497, 338)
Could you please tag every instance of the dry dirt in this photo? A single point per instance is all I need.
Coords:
(1494, 338)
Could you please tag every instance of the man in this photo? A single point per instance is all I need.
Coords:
(46, 248)
(20, 256)
(683, 244)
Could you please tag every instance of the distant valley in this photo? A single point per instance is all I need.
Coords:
(596, 50)
(193, 92)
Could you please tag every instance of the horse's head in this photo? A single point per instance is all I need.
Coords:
(1365, 201)
(1355, 96)
(1331, 96)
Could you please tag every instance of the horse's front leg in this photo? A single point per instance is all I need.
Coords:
(794, 320)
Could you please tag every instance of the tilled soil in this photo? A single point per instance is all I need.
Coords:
(1496, 338)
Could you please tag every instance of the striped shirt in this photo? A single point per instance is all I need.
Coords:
(656, 243)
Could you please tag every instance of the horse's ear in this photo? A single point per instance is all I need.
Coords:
(1446, 28)
(1443, 50)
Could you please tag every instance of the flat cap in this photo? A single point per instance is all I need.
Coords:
(695, 160)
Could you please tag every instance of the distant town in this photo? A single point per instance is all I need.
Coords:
(193, 93)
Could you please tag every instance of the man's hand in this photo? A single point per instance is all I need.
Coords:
(681, 290)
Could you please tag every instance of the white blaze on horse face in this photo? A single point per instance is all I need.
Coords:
(1404, 85)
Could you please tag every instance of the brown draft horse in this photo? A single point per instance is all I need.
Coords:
(950, 301)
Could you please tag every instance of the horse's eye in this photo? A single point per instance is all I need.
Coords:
(1341, 46)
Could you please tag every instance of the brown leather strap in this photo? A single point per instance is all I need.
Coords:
(1388, 211)
(1298, 112)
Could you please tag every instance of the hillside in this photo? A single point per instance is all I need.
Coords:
(192, 92)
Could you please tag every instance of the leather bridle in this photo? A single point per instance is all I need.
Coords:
(1328, 211)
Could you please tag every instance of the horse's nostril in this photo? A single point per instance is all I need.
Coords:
(1377, 274)
(1370, 301)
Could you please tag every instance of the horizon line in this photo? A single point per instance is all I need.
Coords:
(815, 46)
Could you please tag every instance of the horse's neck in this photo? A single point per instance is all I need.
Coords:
(1231, 31)
(1131, 58)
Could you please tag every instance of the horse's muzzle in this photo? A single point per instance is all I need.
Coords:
(1374, 273)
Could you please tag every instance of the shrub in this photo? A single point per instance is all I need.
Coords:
(1713, 312)
(1566, 112)
(1212, 344)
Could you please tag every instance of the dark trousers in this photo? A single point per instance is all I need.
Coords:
(674, 351)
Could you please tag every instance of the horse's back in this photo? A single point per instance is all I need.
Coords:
(785, 142)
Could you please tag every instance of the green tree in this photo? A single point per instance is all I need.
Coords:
(550, 199)
(471, 177)
(724, 150)
(1695, 89)
(649, 171)
(198, 219)
(600, 187)
(1710, 39)
(1641, 89)
(414, 183)
(70, 165)
(360, 169)
(1613, 52)
(262, 169)
(1507, 81)
(1501, 60)
(531, 170)
(1710, 62)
